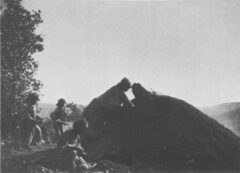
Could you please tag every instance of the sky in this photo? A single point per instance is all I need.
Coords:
(185, 49)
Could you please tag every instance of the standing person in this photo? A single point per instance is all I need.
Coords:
(29, 124)
(59, 116)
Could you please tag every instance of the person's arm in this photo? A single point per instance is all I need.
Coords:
(64, 145)
(66, 139)
(54, 114)
(64, 114)
(73, 147)
(30, 113)
(63, 141)
(29, 116)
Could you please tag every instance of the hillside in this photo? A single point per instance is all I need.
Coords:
(74, 112)
(227, 114)
(45, 109)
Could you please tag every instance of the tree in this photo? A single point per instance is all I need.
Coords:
(75, 111)
(18, 68)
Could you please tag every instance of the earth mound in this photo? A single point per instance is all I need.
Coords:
(164, 131)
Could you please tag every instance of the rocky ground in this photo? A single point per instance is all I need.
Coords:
(26, 161)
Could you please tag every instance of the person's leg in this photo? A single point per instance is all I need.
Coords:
(38, 133)
(45, 134)
(71, 158)
(82, 165)
(57, 133)
(60, 129)
(28, 138)
(35, 137)
(26, 133)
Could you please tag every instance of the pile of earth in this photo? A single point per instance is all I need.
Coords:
(165, 132)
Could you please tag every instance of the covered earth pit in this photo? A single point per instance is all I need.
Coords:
(163, 131)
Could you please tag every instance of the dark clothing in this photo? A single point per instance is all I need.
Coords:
(58, 116)
(58, 128)
(28, 124)
(30, 127)
(114, 97)
(69, 145)
(113, 101)
(68, 137)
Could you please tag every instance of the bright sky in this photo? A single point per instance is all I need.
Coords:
(186, 49)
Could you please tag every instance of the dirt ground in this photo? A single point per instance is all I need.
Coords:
(25, 161)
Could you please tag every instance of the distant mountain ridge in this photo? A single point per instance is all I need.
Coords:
(221, 108)
(227, 114)
(46, 109)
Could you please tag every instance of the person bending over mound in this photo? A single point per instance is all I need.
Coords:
(140, 93)
(115, 96)
(112, 100)
(69, 144)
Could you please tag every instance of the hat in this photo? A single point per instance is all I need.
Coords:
(61, 101)
(125, 83)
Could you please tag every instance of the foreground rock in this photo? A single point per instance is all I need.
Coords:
(45, 159)
(165, 132)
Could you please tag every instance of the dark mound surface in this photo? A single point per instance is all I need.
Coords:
(164, 131)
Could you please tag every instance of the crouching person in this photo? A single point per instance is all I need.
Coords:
(70, 146)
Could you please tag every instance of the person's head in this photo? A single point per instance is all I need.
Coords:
(32, 98)
(136, 89)
(80, 125)
(140, 92)
(61, 102)
(124, 84)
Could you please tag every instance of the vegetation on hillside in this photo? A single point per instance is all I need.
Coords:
(19, 42)
(227, 114)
